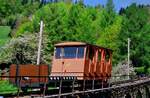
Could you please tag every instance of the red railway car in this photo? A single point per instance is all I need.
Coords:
(28, 75)
(82, 60)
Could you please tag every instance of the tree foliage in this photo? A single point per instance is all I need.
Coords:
(63, 22)
(21, 50)
(136, 27)
(13, 13)
(110, 24)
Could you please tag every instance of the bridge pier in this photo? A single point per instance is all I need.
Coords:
(133, 95)
(143, 92)
(147, 89)
(128, 95)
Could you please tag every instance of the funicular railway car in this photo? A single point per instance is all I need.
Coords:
(82, 60)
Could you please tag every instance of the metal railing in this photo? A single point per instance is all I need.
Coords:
(60, 80)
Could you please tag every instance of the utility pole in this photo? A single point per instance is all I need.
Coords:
(40, 42)
(129, 57)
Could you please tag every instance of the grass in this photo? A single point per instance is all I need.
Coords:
(6, 87)
(4, 31)
(4, 34)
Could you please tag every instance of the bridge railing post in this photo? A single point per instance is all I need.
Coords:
(84, 84)
(109, 82)
(19, 85)
(44, 88)
(102, 84)
(60, 87)
(93, 83)
(73, 87)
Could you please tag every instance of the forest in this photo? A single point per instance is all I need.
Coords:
(67, 21)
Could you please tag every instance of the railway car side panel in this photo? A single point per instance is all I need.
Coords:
(28, 75)
(12, 73)
(99, 72)
(44, 72)
(109, 63)
(92, 58)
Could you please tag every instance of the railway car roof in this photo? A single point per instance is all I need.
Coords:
(77, 44)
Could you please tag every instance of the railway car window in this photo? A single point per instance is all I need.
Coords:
(80, 52)
(87, 53)
(91, 53)
(107, 55)
(58, 53)
(99, 56)
(70, 52)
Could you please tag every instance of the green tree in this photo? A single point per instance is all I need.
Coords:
(14, 12)
(136, 26)
(110, 24)
(20, 50)
(63, 22)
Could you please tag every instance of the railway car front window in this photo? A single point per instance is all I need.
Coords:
(80, 52)
(58, 53)
(70, 52)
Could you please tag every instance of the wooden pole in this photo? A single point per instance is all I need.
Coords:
(40, 42)
(129, 57)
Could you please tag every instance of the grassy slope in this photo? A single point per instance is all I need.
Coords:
(6, 87)
(4, 32)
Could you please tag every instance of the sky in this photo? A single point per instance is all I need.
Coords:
(118, 3)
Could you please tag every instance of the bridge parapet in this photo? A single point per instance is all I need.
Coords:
(139, 88)
(130, 89)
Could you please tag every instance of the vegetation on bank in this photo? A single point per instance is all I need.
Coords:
(4, 35)
(6, 87)
(66, 21)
